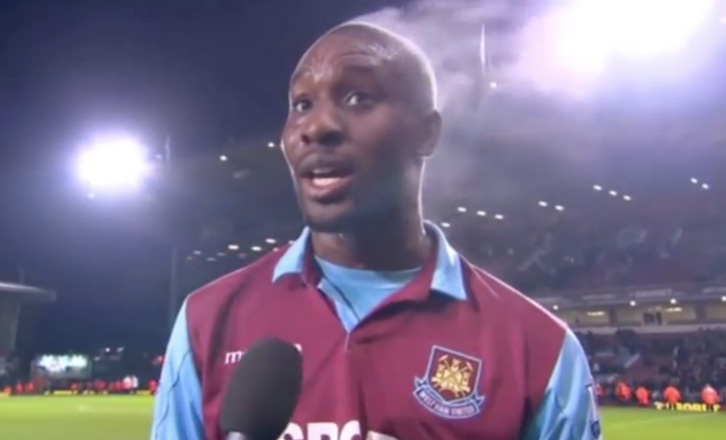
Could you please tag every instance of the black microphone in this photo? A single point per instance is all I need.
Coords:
(263, 392)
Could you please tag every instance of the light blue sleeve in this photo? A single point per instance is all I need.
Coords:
(569, 408)
(178, 405)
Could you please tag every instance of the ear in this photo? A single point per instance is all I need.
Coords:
(430, 134)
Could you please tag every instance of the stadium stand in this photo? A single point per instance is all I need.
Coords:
(12, 296)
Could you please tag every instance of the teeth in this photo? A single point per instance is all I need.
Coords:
(322, 171)
(325, 181)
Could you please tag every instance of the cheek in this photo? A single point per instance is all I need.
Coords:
(287, 146)
(383, 134)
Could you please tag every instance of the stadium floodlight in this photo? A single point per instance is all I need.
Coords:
(114, 163)
(590, 33)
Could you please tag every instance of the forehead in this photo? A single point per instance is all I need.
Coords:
(337, 52)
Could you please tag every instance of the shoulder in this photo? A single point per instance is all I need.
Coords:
(542, 336)
(206, 304)
(520, 310)
(255, 277)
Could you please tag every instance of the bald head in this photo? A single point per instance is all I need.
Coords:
(408, 65)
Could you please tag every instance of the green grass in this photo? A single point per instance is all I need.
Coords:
(75, 417)
(129, 418)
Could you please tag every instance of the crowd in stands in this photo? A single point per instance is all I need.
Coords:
(635, 245)
(687, 362)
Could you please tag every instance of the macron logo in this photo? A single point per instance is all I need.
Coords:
(234, 357)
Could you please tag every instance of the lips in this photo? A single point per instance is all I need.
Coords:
(325, 179)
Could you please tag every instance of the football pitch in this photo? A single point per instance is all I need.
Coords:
(129, 418)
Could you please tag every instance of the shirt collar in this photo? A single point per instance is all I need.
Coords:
(447, 277)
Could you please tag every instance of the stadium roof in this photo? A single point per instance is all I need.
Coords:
(27, 293)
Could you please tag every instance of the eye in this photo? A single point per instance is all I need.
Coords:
(357, 99)
(301, 105)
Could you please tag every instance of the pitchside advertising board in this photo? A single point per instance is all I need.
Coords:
(623, 296)
(688, 407)
(62, 367)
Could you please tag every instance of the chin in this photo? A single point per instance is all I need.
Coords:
(330, 218)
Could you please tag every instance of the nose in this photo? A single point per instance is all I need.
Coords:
(323, 127)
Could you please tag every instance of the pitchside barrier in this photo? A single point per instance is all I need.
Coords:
(689, 407)
(77, 393)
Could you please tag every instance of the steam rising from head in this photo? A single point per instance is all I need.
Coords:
(551, 85)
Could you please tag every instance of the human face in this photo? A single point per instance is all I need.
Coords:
(349, 139)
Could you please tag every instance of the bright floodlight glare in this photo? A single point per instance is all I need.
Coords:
(114, 163)
(655, 27)
(589, 34)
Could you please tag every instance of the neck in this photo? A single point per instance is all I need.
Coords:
(395, 242)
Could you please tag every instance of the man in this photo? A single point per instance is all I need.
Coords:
(709, 396)
(401, 337)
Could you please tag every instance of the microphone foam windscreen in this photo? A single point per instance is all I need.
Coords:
(263, 391)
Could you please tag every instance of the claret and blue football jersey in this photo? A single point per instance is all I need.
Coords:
(445, 351)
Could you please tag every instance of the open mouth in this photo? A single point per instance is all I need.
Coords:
(326, 182)
(325, 177)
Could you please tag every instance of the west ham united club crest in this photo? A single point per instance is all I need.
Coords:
(450, 387)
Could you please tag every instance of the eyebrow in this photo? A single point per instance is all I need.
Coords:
(354, 67)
